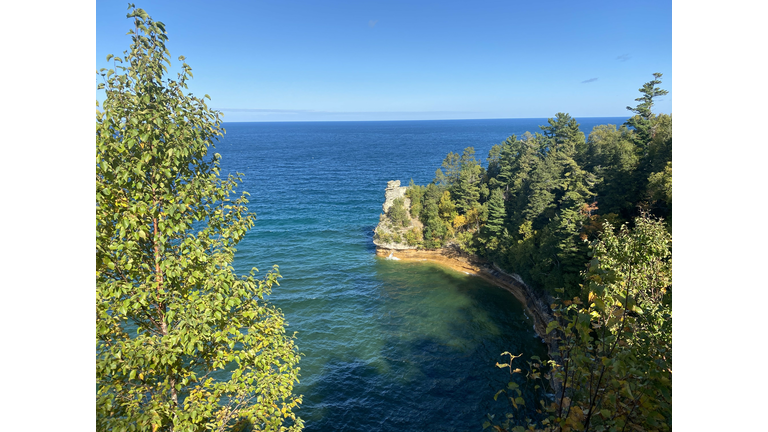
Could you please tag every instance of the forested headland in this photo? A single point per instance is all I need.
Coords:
(586, 222)
(542, 197)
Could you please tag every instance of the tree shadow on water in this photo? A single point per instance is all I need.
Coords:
(417, 385)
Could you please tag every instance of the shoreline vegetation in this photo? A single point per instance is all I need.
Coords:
(579, 229)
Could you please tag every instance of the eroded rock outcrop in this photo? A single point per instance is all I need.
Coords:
(397, 229)
(393, 192)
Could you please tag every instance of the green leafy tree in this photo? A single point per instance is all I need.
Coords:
(660, 190)
(447, 208)
(182, 342)
(519, 160)
(615, 340)
(660, 184)
(502, 170)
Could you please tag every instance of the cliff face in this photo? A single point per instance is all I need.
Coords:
(395, 230)
(392, 192)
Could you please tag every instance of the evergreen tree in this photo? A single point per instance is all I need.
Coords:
(452, 166)
(434, 229)
(494, 163)
(182, 342)
(510, 151)
(612, 156)
(563, 133)
(467, 190)
(497, 215)
(539, 191)
(398, 214)
(416, 194)
(642, 120)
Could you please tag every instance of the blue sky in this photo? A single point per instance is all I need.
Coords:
(392, 60)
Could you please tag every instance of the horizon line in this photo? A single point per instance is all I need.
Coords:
(391, 120)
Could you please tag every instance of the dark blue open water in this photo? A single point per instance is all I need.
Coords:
(388, 346)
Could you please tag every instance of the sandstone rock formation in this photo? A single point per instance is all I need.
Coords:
(392, 192)
(388, 234)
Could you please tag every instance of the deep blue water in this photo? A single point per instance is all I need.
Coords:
(388, 346)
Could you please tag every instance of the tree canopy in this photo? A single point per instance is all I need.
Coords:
(182, 342)
(544, 196)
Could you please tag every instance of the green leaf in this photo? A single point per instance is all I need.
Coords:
(551, 326)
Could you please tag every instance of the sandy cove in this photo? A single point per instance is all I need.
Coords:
(455, 259)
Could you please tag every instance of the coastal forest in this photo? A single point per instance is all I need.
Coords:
(542, 198)
(185, 343)
(586, 224)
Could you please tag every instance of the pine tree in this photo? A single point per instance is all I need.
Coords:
(642, 120)
(497, 215)
(563, 133)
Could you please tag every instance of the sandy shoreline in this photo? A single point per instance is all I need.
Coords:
(462, 262)
(457, 260)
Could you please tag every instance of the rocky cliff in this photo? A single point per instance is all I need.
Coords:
(397, 229)
(393, 192)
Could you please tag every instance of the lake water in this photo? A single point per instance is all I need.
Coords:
(388, 345)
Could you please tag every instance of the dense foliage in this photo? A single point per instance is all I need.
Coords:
(182, 342)
(543, 197)
(546, 207)
(615, 341)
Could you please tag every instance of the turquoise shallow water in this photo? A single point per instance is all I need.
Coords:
(388, 345)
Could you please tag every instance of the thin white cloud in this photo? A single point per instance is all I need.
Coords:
(305, 111)
(262, 110)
